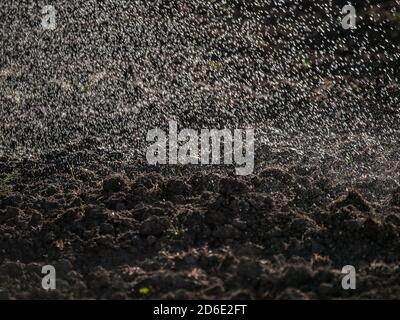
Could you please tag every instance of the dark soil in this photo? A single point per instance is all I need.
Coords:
(77, 193)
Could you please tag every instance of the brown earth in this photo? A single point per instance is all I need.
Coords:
(284, 232)
(77, 193)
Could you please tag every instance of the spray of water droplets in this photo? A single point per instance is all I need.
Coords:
(109, 72)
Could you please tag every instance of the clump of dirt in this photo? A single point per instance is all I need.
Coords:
(351, 198)
(114, 183)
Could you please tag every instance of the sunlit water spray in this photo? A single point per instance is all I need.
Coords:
(108, 73)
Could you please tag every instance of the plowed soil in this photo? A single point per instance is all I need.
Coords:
(77, 193)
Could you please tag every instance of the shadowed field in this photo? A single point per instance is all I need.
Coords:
(76, 191)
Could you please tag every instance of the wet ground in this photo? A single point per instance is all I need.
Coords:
(76, 191)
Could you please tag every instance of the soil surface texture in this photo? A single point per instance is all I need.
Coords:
(76, 190)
